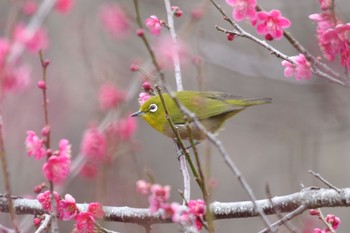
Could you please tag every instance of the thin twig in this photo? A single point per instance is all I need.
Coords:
(175, 53)
(278, 213)
(201, 180)
(6, 177)
(44, 65)
(102, 229)
(286, 218)
(318, 176)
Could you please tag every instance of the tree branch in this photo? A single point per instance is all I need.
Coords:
(308, 198)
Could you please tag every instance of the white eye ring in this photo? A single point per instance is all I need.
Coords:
(153, 108)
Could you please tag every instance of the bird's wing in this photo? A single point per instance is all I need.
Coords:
(204, 105)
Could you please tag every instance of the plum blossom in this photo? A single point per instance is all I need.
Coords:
(159, 196)
(301, 69)
(143, 187)
(271, 23)
(242, 9)
(15, 77)
(34, 145)
(45, 199)
(154, 25)
(67, 208)
(115, 20)
(124, 129)
(57, 168)
(64, 6)
(143, 97)
(33, 40)
(29, 7)
(325, 4)
(110, 96)
(94, 144)
(84, 221)
(166, 50)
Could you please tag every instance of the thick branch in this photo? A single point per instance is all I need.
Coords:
(310, 198)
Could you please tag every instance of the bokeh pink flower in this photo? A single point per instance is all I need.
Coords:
(32, 40)
(94, 144)
(64, 6)
(242, 9)
(110, 96)
(115, 20)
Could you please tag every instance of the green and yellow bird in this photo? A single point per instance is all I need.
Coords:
(211, 108)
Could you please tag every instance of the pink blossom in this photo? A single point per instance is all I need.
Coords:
(124, 129)
(110, 96)
(143, 187)
(242, 9)
(96, 210)
(94, 144)
(325, 4)
(331, 44)
(271, 23)
(333, 220)
(34, 145)
(15, 78)
(56, 168)
(84, 222)
(345, 58)
(29, 7)
(301, 69)
(64, 6)
(34, 41)
(67, 208)
(89, 169)
(64, 148)
(154, 25)
(165, 50)
(45, 199)
(196, 207)
(143, 97)
(159, 196)
(324, 22)
(344, 34)
(115, 20)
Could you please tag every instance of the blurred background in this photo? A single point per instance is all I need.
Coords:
(306, 127)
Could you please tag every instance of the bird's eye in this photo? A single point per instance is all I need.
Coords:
(153, 108)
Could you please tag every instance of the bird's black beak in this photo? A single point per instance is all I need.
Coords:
(138, 113)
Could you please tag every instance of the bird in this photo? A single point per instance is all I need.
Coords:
(212, 109)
